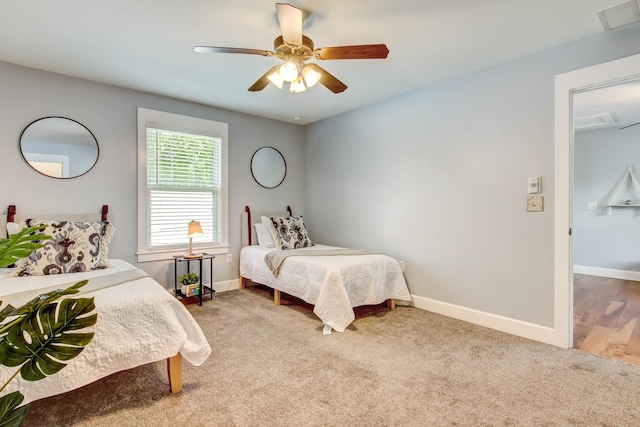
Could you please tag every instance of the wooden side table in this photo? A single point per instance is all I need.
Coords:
(200, 260)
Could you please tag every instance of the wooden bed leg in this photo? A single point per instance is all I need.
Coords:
(174, 370)
(276, 297)
(243, 282)
(391, 304)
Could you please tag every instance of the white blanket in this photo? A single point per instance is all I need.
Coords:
(333, 284)
(138, 322)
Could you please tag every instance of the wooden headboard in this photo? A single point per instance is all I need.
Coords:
(247, 235)
(12, 216)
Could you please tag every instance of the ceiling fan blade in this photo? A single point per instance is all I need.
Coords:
(364, 51)
(628, 126)
(215, 49)
(263, 81)
(328, 80)
(290, 18)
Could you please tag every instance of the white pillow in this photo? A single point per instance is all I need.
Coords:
(267, 233)
(12, 228)
(259, 237)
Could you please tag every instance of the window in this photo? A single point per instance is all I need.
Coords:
(181, 177)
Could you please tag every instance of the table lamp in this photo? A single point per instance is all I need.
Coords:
(195, 230)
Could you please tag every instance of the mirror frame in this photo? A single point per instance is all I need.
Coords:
(284, 175)
(65, 118)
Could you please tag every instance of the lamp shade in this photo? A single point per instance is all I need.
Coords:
(311, 76)
(195, 229)
(289, 71)
(297, 85)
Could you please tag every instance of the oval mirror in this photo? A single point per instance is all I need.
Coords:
(268, 167)
(59, 147)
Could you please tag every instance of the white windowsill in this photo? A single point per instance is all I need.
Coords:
(168, 254)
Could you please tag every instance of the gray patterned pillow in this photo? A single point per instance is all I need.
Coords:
(290, 233)
(74, 247)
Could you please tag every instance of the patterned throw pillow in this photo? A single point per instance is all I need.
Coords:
(290, 233)
(74, 247)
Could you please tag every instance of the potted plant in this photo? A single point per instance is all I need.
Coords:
(187, 281)
(38, 336)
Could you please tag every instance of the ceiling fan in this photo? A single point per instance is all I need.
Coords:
(295, 49)
(628, 126)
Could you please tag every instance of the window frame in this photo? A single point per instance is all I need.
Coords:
(185, 124)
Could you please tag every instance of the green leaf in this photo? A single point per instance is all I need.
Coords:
(45, 336)
(9, 415)
(20, 245)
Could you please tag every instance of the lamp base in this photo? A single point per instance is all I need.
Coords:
(193, 256)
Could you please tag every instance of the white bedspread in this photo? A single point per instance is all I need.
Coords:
(138, 322)
(333, 284)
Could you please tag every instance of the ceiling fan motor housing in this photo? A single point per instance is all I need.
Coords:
(285, 51)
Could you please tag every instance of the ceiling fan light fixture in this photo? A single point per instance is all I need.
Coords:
(289, 71)
(297, 85)
(311, 76)
(276, 79)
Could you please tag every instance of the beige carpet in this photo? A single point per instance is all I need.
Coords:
(271, 366)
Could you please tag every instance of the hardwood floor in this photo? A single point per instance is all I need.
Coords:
(606, 315)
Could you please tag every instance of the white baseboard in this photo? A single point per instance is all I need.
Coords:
(607, 272)
(504, 324)
(226, 285)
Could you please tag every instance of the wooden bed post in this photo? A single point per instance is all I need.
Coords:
(248, 211)
(174, 370)
(11, 213)
(391, 304)
(276, 297)
(105, 211)
(289, 210)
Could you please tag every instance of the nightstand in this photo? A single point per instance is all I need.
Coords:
(200, 260)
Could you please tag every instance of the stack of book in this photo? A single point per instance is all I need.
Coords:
(191, 290)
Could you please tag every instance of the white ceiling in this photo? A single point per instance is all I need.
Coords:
(147, 44)
(612, 106)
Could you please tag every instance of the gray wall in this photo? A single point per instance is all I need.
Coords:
(110, 113)
(438, 178)
(601, 160)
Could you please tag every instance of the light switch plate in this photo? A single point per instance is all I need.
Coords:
(535, 203)
(534, 185)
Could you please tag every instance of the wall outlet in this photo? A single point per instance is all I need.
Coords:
(229, 258)
(592, 206)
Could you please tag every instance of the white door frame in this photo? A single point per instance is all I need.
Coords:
(566, 85)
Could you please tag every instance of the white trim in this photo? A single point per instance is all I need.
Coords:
(226, 285)
(504, 324)
(601, 75)
(168, 254)
(187, 124)
(607, 272)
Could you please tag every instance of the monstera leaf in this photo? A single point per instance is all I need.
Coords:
(46, 337)
(41, 336)
(9, 415)
(20, 245)
(36, 304)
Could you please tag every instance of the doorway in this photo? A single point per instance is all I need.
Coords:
(567, 86)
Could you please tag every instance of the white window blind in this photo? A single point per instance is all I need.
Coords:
(183, 184)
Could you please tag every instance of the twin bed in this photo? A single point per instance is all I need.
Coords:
(333, 280)
(138, 322)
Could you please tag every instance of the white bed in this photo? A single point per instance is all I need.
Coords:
(333, 284)
(138, 322)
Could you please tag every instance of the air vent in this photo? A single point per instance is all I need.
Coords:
(591, 122)
(620, 15)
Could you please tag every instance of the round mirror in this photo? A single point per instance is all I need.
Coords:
(268, 167)
(59, 147)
